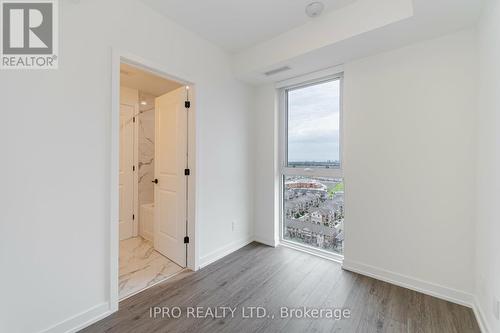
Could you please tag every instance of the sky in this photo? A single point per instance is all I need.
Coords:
(313, 123)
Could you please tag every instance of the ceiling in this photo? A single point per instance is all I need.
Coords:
(264, 35)
(387, 25)
(146, 82)
(235, 25)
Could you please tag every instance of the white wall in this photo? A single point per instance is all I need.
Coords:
(266, 166)
(54, 251)
(409, 165)
(488, 166)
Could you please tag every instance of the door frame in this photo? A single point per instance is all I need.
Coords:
(118, 57)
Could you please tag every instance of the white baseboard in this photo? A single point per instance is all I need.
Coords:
(224, 251)
(265, 241)
(480, 317)
(428, 288)
(81, 320)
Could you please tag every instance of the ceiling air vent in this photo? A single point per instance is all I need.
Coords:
(276, 71)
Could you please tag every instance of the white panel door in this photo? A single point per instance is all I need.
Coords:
(126, 184)
(170, 162)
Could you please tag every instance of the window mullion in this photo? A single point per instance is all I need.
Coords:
(312, 172)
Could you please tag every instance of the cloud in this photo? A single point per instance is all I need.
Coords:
(313, 122)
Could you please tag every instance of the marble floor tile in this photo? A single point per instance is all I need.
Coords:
(142, 266)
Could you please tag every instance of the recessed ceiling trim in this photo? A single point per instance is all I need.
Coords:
(238, 25)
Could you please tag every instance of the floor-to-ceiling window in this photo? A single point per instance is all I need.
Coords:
(312, 178)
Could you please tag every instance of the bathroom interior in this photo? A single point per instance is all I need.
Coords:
(141, 266)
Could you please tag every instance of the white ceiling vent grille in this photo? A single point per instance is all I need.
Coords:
(276, 71)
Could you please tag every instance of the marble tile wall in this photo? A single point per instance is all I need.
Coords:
(146, 148)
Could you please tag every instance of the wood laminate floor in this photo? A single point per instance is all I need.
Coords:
(273, 278)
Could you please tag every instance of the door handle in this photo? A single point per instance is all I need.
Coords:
(155, 181)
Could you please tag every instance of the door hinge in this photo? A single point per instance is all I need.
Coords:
(187, 172)
(133, 216)
(187, 104)
(186, 240)
(133, 167)
(133, 119)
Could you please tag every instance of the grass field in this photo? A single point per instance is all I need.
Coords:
(339, 187)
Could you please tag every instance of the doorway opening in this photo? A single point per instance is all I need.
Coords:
(153, 185)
